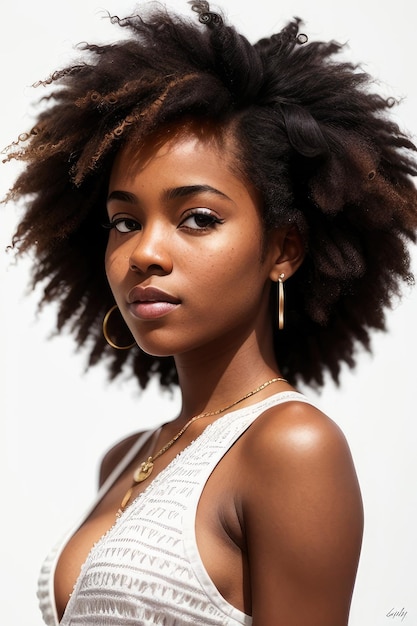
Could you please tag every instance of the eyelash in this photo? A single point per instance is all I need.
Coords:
(210, 219)
(113, 224)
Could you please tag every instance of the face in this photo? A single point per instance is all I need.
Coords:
(185, 257)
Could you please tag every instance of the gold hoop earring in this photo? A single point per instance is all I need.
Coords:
(106, 334)
(281, 301)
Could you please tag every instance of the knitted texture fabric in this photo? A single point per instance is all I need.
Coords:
(147, 569)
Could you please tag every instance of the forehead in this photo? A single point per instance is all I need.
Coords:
(174, 139)
(192, 152)
(182, 165)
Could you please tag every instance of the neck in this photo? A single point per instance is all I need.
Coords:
(209, 382)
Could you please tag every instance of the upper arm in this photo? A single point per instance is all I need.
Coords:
(303, 520)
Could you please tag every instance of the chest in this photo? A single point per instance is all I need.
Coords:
(184, 517)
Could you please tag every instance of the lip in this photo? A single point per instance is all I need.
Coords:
(147, 303)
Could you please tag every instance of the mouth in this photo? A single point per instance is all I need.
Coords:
(147, 303)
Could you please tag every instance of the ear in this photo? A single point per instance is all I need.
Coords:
(286, 252)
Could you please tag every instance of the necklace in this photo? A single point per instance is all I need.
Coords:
(145, 469)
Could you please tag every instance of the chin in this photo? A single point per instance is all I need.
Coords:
(154, 348)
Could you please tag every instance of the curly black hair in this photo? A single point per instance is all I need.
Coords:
(312, 135)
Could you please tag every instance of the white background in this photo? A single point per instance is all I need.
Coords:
(56, 421)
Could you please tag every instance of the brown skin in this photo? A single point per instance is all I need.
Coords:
(279, 523)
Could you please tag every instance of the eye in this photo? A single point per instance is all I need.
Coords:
(123, 225)
(201, 219)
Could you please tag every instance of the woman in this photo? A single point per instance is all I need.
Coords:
(253, 206)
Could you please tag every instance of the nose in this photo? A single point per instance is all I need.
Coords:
(150, 251)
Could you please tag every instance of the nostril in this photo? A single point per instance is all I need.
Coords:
(153, 268)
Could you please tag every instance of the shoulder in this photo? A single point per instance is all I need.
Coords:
(302, 515)
(299, 449)
(294, 431)
(114, 455)
(296, 465)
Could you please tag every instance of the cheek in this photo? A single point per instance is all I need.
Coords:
(116, 265)
(231, 270)
(109, 260)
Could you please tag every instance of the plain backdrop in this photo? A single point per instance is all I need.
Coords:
(57, 420)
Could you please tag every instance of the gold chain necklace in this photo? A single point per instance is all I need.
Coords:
(145, 469)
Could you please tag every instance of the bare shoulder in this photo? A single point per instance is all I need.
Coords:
(295, 431)
(302, 517)
(302, 451)
(114, 455)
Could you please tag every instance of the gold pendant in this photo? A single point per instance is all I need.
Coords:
(125, 501)
(143, 471)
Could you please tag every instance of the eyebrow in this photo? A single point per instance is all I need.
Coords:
(169, 194)
(189, 190)
(125, 196)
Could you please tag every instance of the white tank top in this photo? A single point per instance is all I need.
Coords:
(146, 569)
